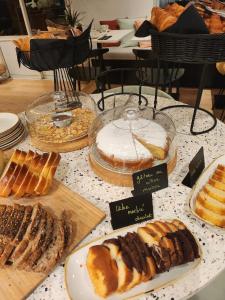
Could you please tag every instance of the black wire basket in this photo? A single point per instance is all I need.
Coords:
(52, 54)
(189, 48)
(203, 49)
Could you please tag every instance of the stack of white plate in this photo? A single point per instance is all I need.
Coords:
(12, 130)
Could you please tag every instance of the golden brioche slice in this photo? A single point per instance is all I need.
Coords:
(2, 162)
(40, 163)
(22, 173)
(220, 173)
(214, 193)
(209, 216)
(9, 177)
(217, 184)
(211, 203)
(102, 270)
(50, 175)
(125, 274)
(44, 173)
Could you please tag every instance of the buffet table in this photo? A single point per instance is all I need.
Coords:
(74, 171)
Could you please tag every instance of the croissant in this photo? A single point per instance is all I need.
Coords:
(215, 24)
(161, 19)
(175, 9)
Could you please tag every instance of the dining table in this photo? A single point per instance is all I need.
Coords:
(172, 202)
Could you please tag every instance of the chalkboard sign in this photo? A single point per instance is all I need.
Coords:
(131, 211)
(196, 167)
(150, 180)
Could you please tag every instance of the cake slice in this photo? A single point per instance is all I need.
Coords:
(214, 193)
(217, 184)
(123, 263)
(211, 203)
(102, 270)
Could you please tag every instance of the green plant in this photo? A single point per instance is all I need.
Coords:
(73, 17)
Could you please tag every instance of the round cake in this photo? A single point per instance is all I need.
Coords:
(132, 144)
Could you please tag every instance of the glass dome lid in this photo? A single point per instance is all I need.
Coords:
(54, 118)
(130, 138)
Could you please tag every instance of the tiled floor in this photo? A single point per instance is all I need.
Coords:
(214, 291)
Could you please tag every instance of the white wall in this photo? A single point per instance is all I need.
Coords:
(112, 9)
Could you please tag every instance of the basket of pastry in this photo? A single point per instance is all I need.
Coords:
(207, 200)
(190, 34)
(132, 261)
(53, 49)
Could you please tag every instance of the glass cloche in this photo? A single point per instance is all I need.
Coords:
(55, 121)
(130, 138)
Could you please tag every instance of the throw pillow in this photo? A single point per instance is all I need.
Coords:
(113, 24)
(126, 23)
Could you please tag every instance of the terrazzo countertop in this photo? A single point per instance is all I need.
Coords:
(74, 171)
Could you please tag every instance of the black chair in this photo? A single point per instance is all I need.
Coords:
(121, 81)
(90, 68)
(169, 75)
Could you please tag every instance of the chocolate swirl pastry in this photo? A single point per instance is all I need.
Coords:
(138, 257)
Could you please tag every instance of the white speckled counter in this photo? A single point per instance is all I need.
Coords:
(75, 172)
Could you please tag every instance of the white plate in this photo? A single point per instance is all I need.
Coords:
(10, 137)
(7, 122)
(14, 142)
(203, 179)
(79, 286)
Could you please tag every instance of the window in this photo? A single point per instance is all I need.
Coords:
(40, 10)
(11, 18)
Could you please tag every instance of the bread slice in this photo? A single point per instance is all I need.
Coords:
(42, 182)
(210, 203)
(55, 250)
(9, 176)
(29, 235)
(214, 193)
(220, 173)
(43, 243)
(2, 162)
(102, 270)
(39, 163)
(50, 175)
(209, 215)
(23, 177)
(21, 230)
(125, 271)
(33, 244)
(217, 184)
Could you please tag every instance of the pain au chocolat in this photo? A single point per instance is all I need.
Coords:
(121, 263)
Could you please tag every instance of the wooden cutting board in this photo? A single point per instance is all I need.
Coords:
(15, 285)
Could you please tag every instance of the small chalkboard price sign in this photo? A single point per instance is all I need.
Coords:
(196, 167)
(150, 180)
(131, 211)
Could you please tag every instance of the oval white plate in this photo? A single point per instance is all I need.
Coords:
(7, 122)
(201, 182)
(79, 286)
